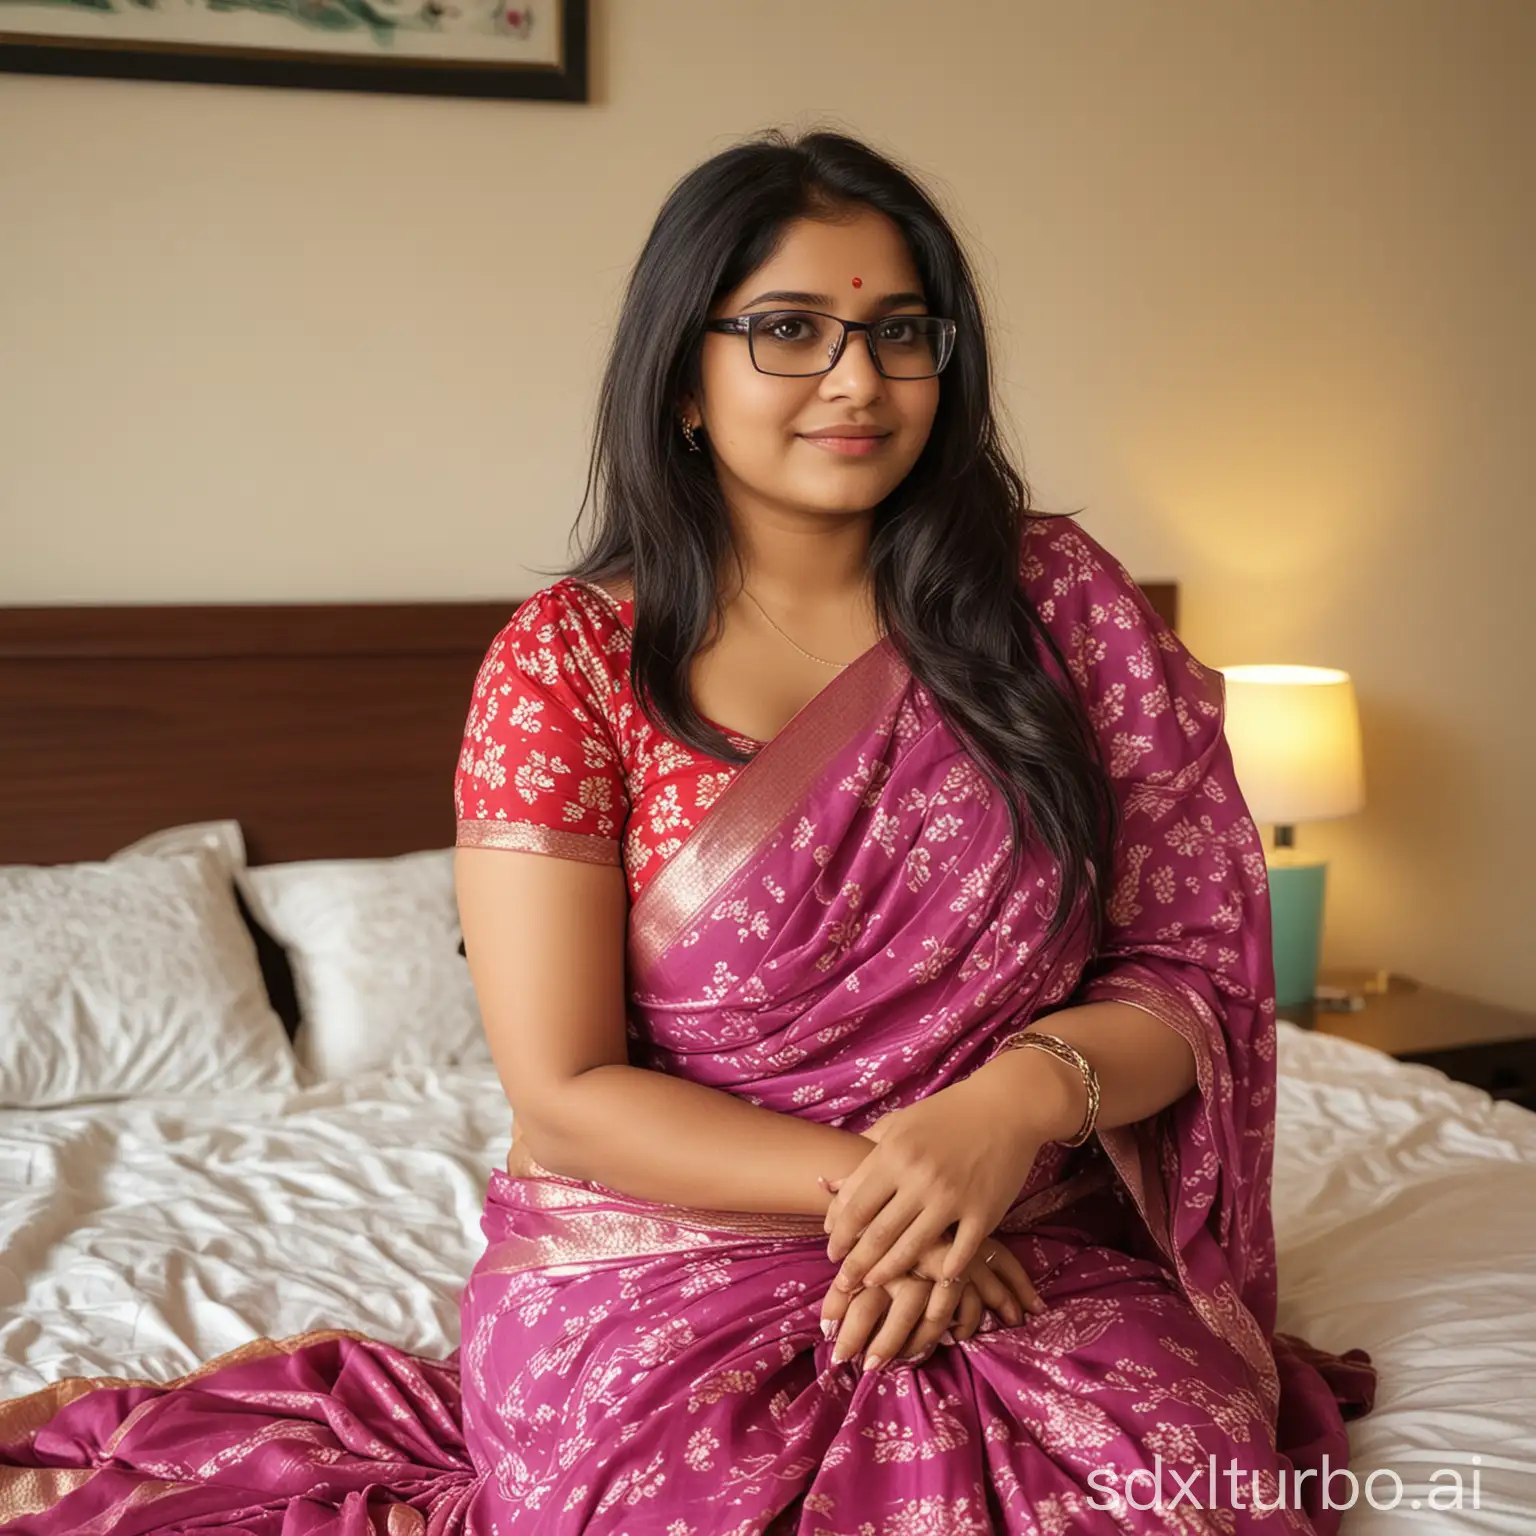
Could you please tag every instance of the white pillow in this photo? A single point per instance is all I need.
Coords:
(135, 976)
(225, 838)
(374, 945)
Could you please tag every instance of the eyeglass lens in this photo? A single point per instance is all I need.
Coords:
(798, 342)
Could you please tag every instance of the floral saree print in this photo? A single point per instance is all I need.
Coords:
(837, 936)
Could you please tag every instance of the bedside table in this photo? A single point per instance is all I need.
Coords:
(1491, 1047)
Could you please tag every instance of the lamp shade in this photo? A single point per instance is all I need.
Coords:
(1295, 739)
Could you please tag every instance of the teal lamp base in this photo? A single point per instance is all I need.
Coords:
(1296, 917)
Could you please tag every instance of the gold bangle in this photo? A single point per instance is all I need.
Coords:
(1070, 1054)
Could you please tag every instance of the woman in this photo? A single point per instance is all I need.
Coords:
(874, 945)
(836, 923)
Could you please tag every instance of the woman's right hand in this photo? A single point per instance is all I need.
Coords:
(906, 1317)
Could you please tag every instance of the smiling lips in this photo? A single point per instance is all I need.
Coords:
(855, 441)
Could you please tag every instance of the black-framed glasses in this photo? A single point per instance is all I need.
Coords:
(796, 343)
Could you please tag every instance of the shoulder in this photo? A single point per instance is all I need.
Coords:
(567, 607)
(567, 633)
(555, 669)
(1065, 570)
(619, 588)
(1146, 694)
(1085, 598)
(538, 747)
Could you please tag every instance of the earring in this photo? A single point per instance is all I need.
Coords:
(693, 442)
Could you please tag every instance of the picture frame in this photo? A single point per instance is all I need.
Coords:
(484, 48)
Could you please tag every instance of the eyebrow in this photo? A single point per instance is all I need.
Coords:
(825, 301)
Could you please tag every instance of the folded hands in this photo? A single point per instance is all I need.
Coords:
(941, 1177)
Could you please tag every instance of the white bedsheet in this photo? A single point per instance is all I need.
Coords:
(141, 1239)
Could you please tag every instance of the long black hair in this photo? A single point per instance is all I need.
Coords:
(945, 548)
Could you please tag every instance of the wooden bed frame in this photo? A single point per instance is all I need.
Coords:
(327, 730)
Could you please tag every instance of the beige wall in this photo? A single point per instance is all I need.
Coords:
(1260, 287)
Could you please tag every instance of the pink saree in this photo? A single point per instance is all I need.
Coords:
(836, 939)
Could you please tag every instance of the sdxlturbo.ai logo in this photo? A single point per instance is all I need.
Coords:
(1163, 1487)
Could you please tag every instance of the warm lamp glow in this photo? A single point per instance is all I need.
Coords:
(1295, 739)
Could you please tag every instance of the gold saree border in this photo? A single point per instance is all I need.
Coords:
(20, 1416)
(758, 799)
(35, 1490)
(551, 1191)
(55, 1485)
(650, 1230)
(1133, 1151)
(530, 837)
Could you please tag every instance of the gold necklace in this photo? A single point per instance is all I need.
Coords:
(838, 665)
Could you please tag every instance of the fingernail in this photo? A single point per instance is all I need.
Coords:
(1011, 1313)
(947, 1337)
(823, 1180)
(1037, 1306)
(873, 1363)
(829, 1327)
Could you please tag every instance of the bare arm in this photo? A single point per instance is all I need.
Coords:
(545, 939)
(1143, 1066)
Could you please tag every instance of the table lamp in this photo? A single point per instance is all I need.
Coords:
(1295, 739)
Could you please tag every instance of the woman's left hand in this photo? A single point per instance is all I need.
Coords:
(952, 1159)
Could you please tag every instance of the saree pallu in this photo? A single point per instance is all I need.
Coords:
(838, 938)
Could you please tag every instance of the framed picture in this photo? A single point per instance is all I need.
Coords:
(421, 47)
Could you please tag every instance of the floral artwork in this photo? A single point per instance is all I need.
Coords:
(440, 47)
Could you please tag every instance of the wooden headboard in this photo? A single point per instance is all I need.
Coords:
(327, 730)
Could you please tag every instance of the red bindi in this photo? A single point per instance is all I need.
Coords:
(858, 282)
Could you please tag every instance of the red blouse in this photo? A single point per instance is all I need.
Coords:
(557, 757)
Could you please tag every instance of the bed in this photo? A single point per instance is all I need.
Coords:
(142, 1236)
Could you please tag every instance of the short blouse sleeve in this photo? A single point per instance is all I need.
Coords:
(538, 768)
